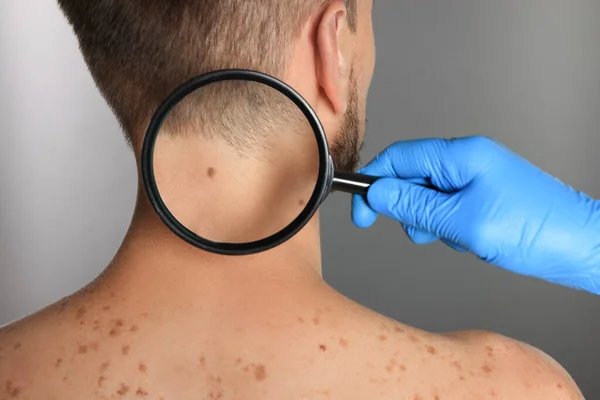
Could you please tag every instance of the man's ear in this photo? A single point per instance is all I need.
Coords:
(334, 56)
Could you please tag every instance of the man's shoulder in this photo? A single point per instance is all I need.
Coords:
(468, 362)
(516, 368)
(29, 348)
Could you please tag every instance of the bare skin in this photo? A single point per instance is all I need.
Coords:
(245, 335)
(166, 321)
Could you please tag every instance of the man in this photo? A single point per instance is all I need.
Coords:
(168, 321)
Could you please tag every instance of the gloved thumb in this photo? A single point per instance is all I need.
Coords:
(410, 204)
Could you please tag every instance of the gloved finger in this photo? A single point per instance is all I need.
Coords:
(363, 215)
(413, 205)
(408, 159)
(454, 246)
(449, 164)
(418, 236)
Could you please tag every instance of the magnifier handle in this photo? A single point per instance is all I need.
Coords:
(352, 183)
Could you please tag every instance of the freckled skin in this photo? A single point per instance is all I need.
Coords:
(272, 349)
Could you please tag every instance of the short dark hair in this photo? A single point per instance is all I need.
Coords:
(138, 51)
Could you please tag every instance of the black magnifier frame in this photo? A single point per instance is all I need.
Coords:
(328, 179)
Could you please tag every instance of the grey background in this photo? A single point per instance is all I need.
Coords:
(526, 72)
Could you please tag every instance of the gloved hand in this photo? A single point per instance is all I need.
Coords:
(476, 195)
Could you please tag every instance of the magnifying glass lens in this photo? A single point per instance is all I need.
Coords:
(236, 162)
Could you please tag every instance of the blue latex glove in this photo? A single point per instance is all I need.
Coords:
(476, 195)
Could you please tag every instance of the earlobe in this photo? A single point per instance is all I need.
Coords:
(333, 55)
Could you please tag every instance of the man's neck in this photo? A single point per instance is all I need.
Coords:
(154, 261)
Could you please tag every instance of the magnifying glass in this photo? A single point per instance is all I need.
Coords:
(236, 162)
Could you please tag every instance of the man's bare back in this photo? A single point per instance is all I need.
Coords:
(292, 343)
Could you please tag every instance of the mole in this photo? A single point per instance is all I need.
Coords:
(12, 390)
(456, 365)
(323, 347)
(58, 362)
(80, 313)
(301, 203)
(123, 390)
(260, 373)
(211, 172)
(142, 367)
(116, 331)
